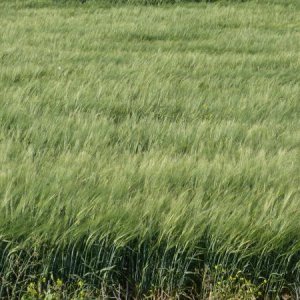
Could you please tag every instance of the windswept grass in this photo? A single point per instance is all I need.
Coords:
(142, 146)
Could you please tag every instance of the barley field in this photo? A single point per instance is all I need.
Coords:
(149, 150)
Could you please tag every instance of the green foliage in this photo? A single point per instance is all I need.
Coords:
(220, 284)
(142, 145)
(55, 289)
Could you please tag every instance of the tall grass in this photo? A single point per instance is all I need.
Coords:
(142, 146)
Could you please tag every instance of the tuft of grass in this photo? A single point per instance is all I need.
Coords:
(140, 146)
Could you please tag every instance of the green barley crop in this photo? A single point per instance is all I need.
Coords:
(141, 146)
